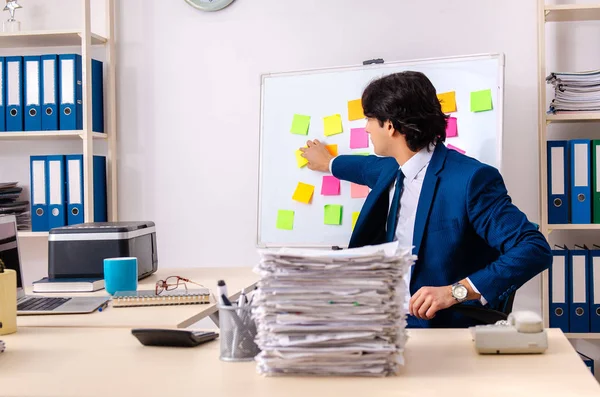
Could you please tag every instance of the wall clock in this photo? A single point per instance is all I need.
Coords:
(209, 5)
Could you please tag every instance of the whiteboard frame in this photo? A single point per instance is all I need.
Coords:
(499, 109)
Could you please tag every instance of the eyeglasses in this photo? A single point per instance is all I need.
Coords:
(173, 282)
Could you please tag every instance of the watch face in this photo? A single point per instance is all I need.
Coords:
(209, 5)
(460, 292)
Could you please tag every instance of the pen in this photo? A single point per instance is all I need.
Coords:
(104, 306)
(223, 293)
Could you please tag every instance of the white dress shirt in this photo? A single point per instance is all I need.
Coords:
(414, 171)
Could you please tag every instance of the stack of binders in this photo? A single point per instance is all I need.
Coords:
(574, 181)
(57, 191)
(44, 93)
(332, 313)
(575, 289)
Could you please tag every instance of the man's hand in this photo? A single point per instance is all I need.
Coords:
(317, 155)
(427, 301)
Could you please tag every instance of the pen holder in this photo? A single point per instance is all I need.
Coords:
(237, 333)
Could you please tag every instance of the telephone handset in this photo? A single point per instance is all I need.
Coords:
(523, 332)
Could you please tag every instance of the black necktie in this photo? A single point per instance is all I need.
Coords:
(392, 220)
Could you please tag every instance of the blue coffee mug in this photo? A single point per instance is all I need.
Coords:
(120, 274)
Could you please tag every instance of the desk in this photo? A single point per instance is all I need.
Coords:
(111, 362)
(152, 316)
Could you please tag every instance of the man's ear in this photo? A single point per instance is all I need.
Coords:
(389, 128)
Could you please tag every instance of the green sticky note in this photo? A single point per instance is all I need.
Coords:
(300, 124)
(481, 101)
(285, 220)
(362, 154)
(333, 214)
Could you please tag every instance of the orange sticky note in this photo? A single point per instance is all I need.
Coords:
(303, 193)
(301, 161)
(354, 218)
(332, 149)
(358, 191)
(333, 125)
(448, 101)
(355, 110)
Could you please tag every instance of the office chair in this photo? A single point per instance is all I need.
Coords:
(486, 315)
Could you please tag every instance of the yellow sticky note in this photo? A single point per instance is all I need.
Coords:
(355, 110)
(303, 193)
(448, 101)
(354, 218)
(301, 161)
(333, 125)
(332, 149)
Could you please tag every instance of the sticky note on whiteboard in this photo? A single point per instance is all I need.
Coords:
(448, 101)
(355, 110)
(285, 220)
(332, 149)
(301, 161)
(358, 191)
(359, 139)
(451, 128)
(300, 124)
(330, 186)
(333, 214)
(481, 101)
(354, 218)
(303, 193)
(333, 125)
(459, 150)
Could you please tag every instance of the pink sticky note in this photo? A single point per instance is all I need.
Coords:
(358, 191)
(451, 128)
(331, 186)
(358, 138)
(452, 147)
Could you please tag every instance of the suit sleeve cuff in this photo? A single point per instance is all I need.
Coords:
(331, 165)
(482, 299)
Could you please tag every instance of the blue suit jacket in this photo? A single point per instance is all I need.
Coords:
(466, 226)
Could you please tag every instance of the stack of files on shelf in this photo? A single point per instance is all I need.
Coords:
(11, 205)
(57, 191)
(44, 93)
(575, 91)
(332, 313)
(573, 181)
(574, 289)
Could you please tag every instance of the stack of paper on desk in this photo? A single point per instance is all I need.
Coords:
(332, 312)
(575, 91)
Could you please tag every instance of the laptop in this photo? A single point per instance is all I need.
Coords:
(28, 304)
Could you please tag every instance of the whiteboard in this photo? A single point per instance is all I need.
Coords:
(324, 92)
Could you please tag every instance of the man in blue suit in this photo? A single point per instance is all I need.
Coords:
(473, 245)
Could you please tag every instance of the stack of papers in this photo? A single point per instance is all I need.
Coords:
(332, 312)
(575, 91)
(10, 204)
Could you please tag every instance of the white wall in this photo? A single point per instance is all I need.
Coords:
(188, 100)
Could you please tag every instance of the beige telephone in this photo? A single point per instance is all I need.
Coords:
(522, 333)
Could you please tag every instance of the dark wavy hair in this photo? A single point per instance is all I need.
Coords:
(409, 101)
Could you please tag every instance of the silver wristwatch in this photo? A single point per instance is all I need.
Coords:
(459, 292)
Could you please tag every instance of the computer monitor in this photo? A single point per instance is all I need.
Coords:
(9, 248)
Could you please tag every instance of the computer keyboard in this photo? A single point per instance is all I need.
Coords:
(41, 304)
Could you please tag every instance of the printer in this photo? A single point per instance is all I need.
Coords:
(80, 250)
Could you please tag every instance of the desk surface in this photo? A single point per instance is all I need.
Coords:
(101, 362)
(151, 316)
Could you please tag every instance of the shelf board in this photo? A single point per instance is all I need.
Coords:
(573, 117)
(575, 226)
(46, 38)
(590, 335)
(27, 233)
(572, 12)
(66, 134)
